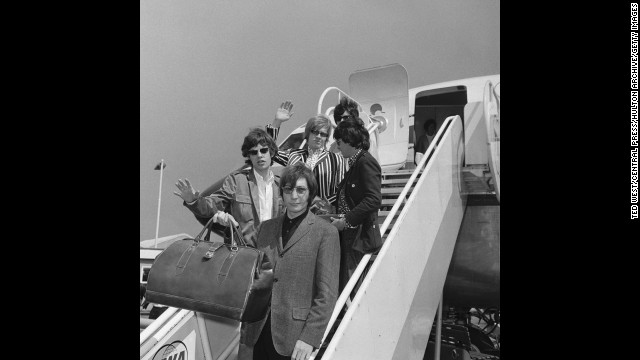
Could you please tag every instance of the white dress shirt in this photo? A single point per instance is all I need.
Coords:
(265, 192)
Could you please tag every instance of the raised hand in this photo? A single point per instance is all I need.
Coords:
(187, 192)
(283, 113)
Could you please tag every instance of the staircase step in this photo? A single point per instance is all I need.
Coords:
(399, 172)
(397, 181)
(386, 213)
(478, 192)
(395, 190)
(389, 202)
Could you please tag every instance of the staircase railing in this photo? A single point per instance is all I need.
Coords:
(371, 119)
(160, 327)
(491, 103)
(358, 272)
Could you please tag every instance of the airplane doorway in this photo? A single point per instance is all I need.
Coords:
(437, 105)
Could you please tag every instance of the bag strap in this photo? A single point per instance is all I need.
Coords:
(186, 254)
(240, 239)
(207, 226)
(226, 265)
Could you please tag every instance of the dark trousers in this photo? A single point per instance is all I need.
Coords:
(264, 349)
(349, 258)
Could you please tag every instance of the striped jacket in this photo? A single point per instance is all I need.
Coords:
(329, 169)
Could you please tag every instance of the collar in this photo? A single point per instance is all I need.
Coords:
(353, 157)
(297, 218)
(258, 177)
(315, 152)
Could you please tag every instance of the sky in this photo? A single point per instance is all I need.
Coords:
(210, 70)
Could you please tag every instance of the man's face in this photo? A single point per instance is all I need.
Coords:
(318, 138)
(337, 118)
(346, 149)
(296, 199)
(260, 157)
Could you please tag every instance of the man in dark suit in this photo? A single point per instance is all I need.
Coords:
(359, 198)
(304, 251)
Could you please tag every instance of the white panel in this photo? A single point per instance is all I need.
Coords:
(373, 329)
(220, 332)
(384, 91)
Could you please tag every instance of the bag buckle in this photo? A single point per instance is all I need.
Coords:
(211, 251)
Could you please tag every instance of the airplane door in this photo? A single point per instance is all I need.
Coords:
(384, 91)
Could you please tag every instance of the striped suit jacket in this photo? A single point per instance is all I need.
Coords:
(329, 170)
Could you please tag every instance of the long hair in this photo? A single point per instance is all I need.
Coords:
(290, 175)
(317, 123)
(345, 105)
(258, 136)
(353, 132)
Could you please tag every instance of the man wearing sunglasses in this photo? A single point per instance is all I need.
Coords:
(305, 254)
(345, 109)
(248, 196)
(328, 167)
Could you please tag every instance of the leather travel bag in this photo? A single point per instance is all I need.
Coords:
(228, 280)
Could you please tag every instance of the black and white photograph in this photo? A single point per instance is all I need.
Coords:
(320, 179)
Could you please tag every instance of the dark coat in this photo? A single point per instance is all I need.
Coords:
(305, 287)
(363, 193)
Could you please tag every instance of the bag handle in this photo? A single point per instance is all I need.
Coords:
(207, 226)
(232, 230)
(236, 230)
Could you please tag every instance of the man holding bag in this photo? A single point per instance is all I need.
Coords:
(248, 196)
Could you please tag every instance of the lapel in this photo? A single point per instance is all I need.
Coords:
(352, 171)
(278, 225)
(253, 189)
(302, 230)
(298, 155)
(275, 211)
(322, 157)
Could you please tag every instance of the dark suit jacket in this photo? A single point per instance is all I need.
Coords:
(305, 287)
(363, 193)
(239, 197)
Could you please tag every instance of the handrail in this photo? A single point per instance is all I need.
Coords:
(340, 92)
(497, 96)
(355, 277)
(230, 348)
(326, 91)
(490, 110)
(156, 324)
(148, 345)
(491, 105)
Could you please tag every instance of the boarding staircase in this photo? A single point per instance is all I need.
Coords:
(393, 182)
